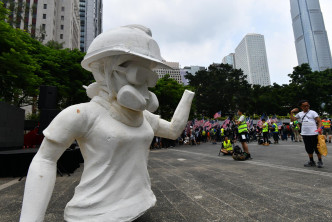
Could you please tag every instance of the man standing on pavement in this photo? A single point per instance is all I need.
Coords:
(296, 131)
(309, 131)
(275, 132)
(327, 128)
(222, 134)
(265, 132)
(242, 133)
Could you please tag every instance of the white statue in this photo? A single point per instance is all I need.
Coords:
(114, 131)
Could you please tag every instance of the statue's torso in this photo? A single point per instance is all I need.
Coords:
(115, 184)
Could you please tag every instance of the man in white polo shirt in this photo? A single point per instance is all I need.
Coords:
(311, 126)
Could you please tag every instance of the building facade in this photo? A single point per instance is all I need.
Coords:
(183, 74)
(91, 21)
(250, 56)
(311, 42)
(189, 69)
(229, 59)
(46, 20)
(193, 69)
(174, 73)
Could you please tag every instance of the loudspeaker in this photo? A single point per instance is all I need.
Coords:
(47, 97)
(46, 117)
(11, 127)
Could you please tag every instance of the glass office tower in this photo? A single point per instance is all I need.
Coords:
(250, 56)
(311, 42)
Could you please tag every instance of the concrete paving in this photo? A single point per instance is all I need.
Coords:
(193, 183)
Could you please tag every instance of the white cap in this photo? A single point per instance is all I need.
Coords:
(126, 40)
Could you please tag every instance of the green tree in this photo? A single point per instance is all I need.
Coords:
(314, 86)
(169, 93)
(269, 99)
(18, 80)
(219, 88)
(54, 44)
(26, 64)
(62, 68)
(71, 78)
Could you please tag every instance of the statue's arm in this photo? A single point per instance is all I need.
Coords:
(173, 129)
(40, 181)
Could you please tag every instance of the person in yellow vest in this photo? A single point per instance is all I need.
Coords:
(204, 136)
(226, 147)
(265, 131)
(243, 132)
(222, 134)
(275, 132)
(327, 128)
(296, 131)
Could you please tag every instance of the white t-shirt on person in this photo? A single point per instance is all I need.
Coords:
(115, 184)
(308, 121)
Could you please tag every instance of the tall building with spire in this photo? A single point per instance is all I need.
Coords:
(251, 58)
(311, 42)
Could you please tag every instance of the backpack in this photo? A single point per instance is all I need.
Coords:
(238, 154)
(203, 132)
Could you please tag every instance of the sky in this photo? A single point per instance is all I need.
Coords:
(202, 32)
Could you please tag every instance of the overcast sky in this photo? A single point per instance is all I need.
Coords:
(200, 32)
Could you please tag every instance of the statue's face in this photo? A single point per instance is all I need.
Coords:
(130, 81)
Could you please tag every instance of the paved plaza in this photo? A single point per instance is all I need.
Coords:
(193, 183)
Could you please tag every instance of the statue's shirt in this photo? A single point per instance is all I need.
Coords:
(115, 184)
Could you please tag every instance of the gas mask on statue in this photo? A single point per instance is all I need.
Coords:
(130, 82)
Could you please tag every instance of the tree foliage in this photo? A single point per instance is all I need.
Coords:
(169, 93)
(314, 86)
(54, 44)
(26, 64)
(219, 88)
(18, 66)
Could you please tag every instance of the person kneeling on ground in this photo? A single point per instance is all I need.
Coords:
(226, 147)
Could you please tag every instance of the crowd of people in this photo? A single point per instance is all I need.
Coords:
(241, 130)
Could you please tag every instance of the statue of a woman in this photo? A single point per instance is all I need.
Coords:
(114, 132)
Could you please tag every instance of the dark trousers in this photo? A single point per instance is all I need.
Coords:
(266, 137)
(310, 143)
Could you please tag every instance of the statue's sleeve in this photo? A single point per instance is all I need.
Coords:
(174, 128)
(70, 124)
(153, 120)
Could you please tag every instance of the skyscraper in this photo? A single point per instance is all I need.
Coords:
(250, 56)
(311, 40)
(91, 21)
(229, 59)
(47, 20)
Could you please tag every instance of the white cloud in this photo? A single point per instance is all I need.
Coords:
(195, 32)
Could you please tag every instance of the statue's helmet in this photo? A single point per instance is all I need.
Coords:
(133, 40)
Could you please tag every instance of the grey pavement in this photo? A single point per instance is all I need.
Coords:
(193, 183)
